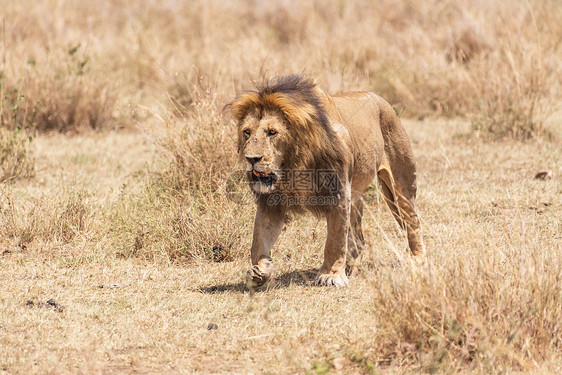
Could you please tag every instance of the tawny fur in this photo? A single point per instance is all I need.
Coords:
(288, 125)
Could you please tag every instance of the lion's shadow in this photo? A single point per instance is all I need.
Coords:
(292, 278)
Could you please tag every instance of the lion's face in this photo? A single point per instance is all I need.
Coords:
(263, 143)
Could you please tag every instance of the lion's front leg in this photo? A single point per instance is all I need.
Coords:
(355, 239)
(267, 227)
(332, 271)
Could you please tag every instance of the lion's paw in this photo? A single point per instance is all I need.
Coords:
(259, 274)
(331, 279)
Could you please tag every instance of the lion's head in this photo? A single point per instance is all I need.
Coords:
(263, 140)
(283, 127)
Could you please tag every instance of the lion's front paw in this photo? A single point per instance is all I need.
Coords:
(260, 273)
(255, 277)
(331, 279)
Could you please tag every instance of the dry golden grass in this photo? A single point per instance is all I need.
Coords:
(84, 65)
(119, 249)
(488, 302)
(16, 160)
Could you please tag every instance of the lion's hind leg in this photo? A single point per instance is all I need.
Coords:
(400, 198)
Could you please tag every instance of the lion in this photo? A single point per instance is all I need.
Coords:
(307, 150)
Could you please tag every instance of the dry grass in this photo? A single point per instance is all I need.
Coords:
(16, 160)
(183, 212)
(125, 246)
(64, 95)
(488, 302)
(81, 65)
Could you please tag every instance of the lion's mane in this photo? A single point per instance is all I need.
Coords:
(313, 143)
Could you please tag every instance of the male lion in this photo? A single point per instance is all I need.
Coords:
(306, 149)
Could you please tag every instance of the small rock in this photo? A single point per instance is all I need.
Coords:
(544, 175)
(221, 253)
(55, 305)
(212, 326)
(51, 303)
(339, 363)
(113, 286)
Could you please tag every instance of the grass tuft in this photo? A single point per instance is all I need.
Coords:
(66, 97)
(186, 211)
(16, 160)
(48, 219)
(160, 222)
(460, 314)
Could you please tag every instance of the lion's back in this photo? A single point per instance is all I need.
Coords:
(360, 113)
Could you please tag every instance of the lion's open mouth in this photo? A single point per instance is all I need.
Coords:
(267, 178)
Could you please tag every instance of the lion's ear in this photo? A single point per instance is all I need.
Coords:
(240, 106)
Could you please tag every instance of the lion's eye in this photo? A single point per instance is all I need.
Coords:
(247, 133)
(271, 132)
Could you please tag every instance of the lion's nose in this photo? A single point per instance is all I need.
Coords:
(253, 159)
